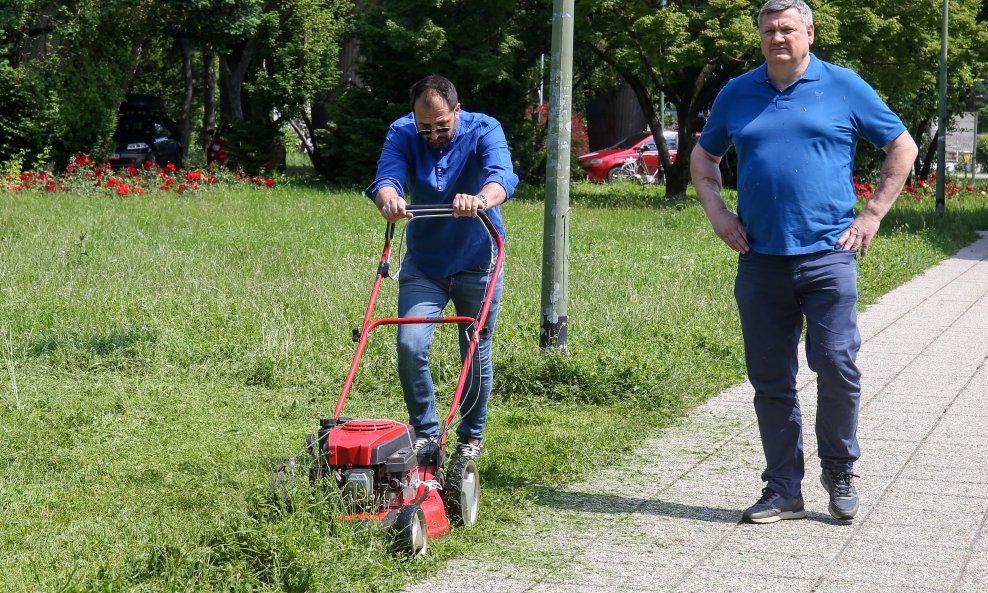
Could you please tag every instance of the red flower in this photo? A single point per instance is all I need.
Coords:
(170, 167)
(112, 182)
(193, 176)
(970, 188)
(132, 171)
(123, 189)
(269, 182)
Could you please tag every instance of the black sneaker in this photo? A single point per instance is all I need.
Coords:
(772, 507)
(843, 494)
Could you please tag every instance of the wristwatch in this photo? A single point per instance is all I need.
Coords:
(483, 200)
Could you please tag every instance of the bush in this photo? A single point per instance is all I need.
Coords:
(983, 152)
(24, 119)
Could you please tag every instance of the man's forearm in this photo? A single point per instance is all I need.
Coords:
(705, 174)
(384, 194)
(899, 158)
(494, 193)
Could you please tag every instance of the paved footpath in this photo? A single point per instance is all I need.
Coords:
(668, 519)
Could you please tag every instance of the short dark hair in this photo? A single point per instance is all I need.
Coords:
(433, 86)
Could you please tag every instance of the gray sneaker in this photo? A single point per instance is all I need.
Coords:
(468, 451)
(843, 494)
(772, 507)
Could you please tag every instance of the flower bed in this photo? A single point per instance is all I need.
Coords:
(84, 175)
(924, 189)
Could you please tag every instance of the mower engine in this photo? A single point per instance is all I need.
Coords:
(370, 460)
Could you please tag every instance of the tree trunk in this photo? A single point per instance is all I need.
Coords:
(189, 78)
(233, 72)
(208, 95)
(931, 152)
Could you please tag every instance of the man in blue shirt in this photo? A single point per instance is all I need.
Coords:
(441, 154)
(795, 122)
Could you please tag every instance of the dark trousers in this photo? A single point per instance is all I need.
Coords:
(774, 295)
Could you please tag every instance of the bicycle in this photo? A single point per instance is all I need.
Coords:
(636, 169)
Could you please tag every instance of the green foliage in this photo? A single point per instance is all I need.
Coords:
(70, 73)
(255, 146)
(529, 151)
(25, 119)
(895, 46)
(299, 46)
(489, 50)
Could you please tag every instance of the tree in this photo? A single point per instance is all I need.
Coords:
(489, 50)
(686, 50)
(70, 61)
(895, 46)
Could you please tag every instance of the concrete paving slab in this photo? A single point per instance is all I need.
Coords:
(848, 586)
(896, 577)
(667, 518)
(711, 581)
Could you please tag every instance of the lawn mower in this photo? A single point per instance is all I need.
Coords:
(372, 461)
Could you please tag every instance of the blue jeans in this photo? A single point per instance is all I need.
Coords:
(774, 294)
(421, 296)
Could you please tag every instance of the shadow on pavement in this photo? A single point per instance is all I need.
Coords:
(616, 504)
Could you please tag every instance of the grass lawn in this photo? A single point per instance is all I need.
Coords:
(161, 354)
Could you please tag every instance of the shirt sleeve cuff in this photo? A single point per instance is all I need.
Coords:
(509, 188)
(376, 186)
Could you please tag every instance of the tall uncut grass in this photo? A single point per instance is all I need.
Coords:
(163, 354)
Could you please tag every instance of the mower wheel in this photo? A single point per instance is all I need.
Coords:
(284, 475)
(411, 531)
(462, 491)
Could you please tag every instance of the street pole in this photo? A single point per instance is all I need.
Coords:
(942, 121)
(555, 238)
(974, 151)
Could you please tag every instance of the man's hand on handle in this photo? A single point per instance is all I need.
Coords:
(391, 205)
(468, 205)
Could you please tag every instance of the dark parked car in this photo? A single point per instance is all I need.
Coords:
(601, 165)
(144, 133)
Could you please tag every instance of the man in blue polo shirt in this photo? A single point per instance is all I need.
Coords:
(795, 122)
(441, 154)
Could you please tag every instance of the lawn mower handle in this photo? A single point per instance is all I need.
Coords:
(361, 335)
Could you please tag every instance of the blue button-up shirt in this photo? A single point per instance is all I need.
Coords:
(476, 155)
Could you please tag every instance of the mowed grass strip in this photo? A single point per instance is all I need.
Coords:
(163, 354)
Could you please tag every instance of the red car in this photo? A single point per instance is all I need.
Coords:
(601, 165)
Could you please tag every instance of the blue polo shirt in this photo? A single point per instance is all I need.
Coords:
(796, 152)
(476, 155)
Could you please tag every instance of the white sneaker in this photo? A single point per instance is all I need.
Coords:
(421, 443)
(468, 451)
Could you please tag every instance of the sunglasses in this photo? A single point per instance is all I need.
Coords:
(439, 131)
